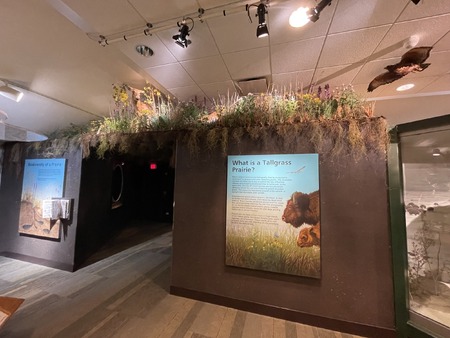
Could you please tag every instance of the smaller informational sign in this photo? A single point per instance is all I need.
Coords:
(43, 180)
(273, 213)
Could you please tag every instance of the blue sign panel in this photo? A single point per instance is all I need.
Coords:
(273, 213)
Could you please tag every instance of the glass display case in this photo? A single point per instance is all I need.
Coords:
(425, 161)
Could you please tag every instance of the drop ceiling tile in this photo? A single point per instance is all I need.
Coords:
(107, 16)
(443, 44)
(372, 69)
(248, 64)
(209, 4)
(234, 32)
(352, 14)
(292, 82)
(408, 109)
(207, 70)
(171, 76)
(361, 89)
(391, 88)
(219, 91)
(439, 85)
(429, 31)
(439, 65)
(161, 54)
(351, 47)
(202, 45)
(425, 9)
(280, 30)
(338, 75)
(296, 56)
(154, 11)
(189, 93)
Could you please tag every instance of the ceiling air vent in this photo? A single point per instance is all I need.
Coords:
(254, 85)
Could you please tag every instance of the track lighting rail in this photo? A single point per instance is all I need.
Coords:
(152, 28)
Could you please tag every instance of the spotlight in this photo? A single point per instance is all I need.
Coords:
(10, 93)
(262, 30)
(299, 17)
(181, 39)
(261, 12)
(415, 1)
(302, 16)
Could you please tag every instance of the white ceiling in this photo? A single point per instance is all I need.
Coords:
(50, 50)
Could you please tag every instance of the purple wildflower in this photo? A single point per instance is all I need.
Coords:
(327, 92)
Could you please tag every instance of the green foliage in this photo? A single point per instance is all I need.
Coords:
(339, 114)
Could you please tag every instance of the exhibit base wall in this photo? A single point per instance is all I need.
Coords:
(39, 261)
(287, 314)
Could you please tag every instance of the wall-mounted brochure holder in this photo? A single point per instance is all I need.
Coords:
(56, 208)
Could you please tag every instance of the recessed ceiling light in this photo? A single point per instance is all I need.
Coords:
(437, 152)
(144, 50)
(405, 87)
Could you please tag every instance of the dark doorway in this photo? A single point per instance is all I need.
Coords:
(148, 190)
(156, 191)
(137, 191)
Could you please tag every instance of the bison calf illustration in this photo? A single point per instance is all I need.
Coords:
(304, 209)
(309, 236)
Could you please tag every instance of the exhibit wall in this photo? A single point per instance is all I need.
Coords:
(55, 252)
(354, 292)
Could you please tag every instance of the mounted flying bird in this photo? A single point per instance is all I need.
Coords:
(411, 62)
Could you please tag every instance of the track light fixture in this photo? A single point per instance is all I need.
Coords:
(9, 92)
(181, 39)
(303, 15)
(261, 12)
(262, 30)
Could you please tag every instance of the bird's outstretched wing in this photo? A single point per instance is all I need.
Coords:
(383, 79)
(416, 55)
(411, 61)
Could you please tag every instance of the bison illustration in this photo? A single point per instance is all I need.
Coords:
(304, 209)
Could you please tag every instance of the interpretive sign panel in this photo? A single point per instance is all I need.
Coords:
(273, 213)
(43, 179)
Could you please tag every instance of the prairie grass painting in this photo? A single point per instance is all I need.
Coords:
(276, 252)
